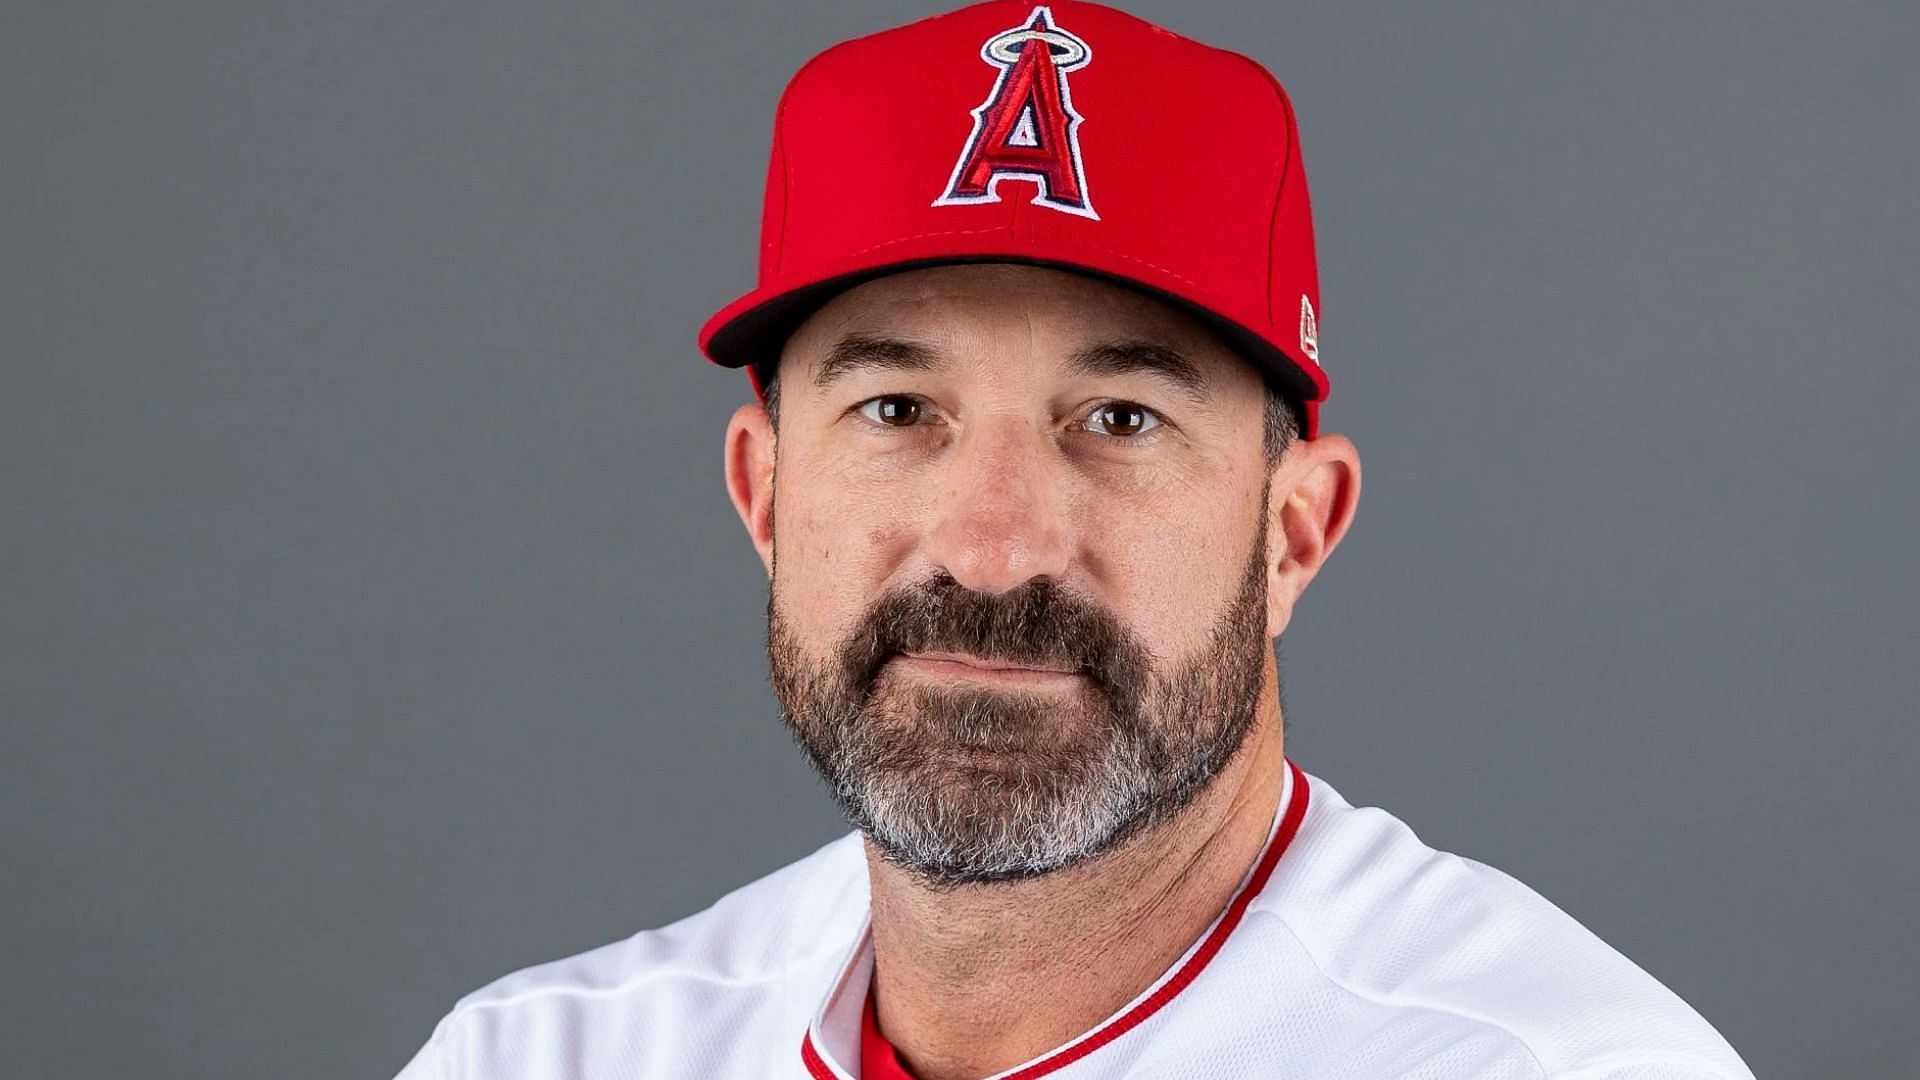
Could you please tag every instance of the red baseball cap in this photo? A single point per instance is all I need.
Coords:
(1066, 134)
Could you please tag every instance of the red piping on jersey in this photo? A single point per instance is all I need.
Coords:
(811, 1057)
(1132, 1018)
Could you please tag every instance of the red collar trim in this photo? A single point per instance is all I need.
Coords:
(811, 1058)
(1189, 969)
(878, 1059)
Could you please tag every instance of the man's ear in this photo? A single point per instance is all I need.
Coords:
(749, 467)
(1313, 495)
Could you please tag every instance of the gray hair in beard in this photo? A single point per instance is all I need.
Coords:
(970, 785)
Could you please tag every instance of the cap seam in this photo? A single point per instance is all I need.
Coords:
(786, 191)
(1286, 168)
(780, 146)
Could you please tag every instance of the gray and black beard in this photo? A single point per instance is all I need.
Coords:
(966, 785)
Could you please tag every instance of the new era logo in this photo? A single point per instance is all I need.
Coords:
(1309, 330)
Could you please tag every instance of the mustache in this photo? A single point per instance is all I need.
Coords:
(1037, 624)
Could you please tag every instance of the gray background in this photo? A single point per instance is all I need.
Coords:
(374, 621)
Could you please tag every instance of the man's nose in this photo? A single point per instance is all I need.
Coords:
(1001, 515)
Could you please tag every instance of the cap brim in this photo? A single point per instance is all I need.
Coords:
(757, 325)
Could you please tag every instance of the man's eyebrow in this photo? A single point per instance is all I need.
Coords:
(1152, 358)
(861, 351)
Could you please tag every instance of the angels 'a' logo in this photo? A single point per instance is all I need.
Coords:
(1027, 129)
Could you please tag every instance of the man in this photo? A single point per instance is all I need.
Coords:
(1037, 476)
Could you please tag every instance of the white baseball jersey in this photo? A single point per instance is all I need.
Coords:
(1350, 950)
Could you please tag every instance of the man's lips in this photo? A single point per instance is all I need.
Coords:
(966, 666)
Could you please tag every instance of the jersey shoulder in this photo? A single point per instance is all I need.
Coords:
(1384, 916)
(743, 953)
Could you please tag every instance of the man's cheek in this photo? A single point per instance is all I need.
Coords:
(824, 569)
(809, 537)
(862, 543)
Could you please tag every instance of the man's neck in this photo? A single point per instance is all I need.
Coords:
(971, 981)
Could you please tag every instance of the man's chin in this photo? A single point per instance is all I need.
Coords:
(944, 867)
(989, 785)
(968, 816)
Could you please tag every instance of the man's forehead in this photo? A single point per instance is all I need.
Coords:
(926, 319)
(864, 352)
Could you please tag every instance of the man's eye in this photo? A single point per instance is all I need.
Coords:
(1122, 418)
(892, 410)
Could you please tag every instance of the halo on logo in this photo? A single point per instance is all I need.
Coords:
(1068, 52)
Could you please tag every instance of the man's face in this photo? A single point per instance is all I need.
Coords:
(1019, 605)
